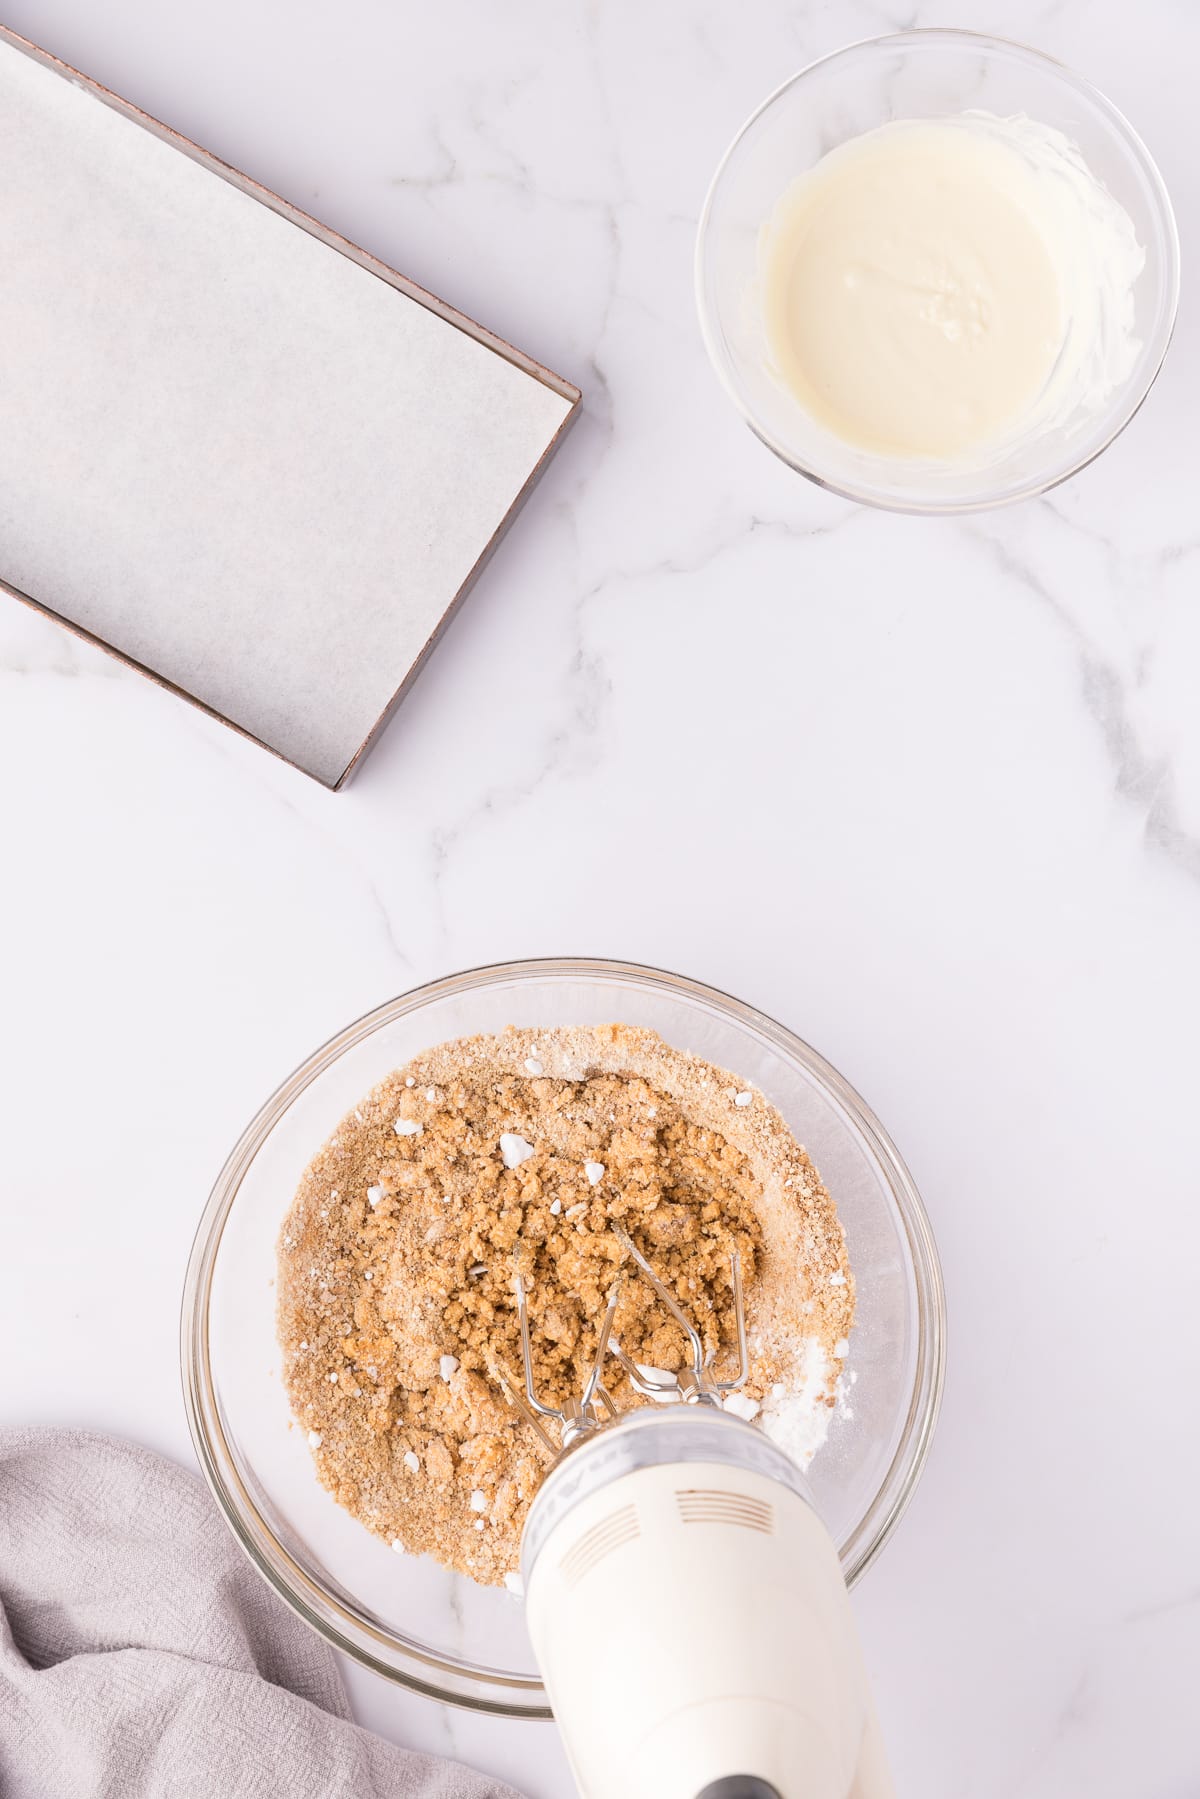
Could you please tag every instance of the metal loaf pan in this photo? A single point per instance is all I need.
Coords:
(237, 451)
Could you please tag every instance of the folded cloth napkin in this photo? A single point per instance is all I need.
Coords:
(142, 1658)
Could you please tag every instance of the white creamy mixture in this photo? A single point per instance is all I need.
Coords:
(938, 288)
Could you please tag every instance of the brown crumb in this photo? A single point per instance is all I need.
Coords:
(492, 1154)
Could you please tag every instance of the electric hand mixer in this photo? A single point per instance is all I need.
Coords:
(685, 1602)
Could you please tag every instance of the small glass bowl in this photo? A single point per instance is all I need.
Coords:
(920, 75)
(404, 1616)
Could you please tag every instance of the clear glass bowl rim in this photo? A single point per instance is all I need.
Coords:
(498, 1694)
(1131, 402)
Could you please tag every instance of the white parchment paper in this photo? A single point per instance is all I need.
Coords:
(226, 449)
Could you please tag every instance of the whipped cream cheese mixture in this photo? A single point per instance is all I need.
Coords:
(937, 288)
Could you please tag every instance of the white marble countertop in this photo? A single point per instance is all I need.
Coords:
(927, 792)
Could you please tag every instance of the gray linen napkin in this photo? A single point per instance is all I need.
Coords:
(141, 1657)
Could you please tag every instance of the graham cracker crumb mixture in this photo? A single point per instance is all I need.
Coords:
(396, 1311)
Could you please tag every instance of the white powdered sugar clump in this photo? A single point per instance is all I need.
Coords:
(514, 1149)
(796, 1415)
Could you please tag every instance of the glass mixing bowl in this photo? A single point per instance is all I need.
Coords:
(404, 1616)
(920, 75)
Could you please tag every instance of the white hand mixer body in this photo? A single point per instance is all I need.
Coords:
(686, 1604)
